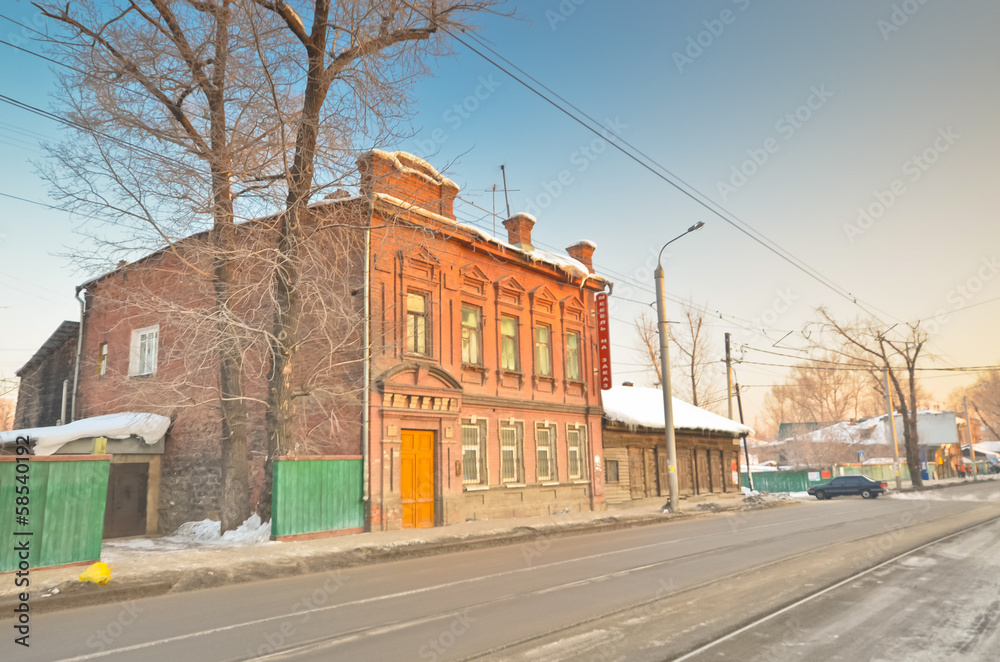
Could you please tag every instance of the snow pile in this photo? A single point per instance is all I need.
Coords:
(207, 532)
(638, 406)
(148, 427)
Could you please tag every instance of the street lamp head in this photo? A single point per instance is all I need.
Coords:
(697, 226)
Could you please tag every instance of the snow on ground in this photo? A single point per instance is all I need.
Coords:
(197, 535)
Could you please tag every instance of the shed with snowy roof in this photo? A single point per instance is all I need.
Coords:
(635, 451)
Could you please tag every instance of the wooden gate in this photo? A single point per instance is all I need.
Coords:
(416, 483)
(719, 477)
(652, 475)
(636, 473)
(125, 513)
(703, 478)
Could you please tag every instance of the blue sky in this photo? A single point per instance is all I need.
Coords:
(883, 106)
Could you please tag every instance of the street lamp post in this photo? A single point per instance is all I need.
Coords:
(668, 408)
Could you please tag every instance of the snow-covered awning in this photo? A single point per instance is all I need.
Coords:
(635, 405)
(148, 427)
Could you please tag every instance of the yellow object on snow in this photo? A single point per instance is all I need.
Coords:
(99, 573)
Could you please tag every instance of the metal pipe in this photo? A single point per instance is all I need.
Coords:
(366, 380)
(65, 398)
(79, 352)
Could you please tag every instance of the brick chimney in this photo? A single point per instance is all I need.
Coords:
(519, 230)
(583, 251)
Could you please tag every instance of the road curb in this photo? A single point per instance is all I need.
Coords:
(74, 595)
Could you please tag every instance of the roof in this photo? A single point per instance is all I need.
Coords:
(66, 331)
(639, 406)
(148, 427)
(405, 162)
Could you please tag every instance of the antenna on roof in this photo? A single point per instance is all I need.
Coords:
(504, 173)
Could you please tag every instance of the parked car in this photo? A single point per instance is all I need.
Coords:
(862, 486)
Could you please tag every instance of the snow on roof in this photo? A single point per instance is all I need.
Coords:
(404, 161)
(635, 405)
(149, 427)
(871, 431)
(564, 263)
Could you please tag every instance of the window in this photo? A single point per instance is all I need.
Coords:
(416, 323)
(545, 448)
(473, 452)
(511, 452)
(543, 350)
(142, 357)
(611, 471)
(573, 356)
(471, 335)
(508, 344)
(576, 446)
(102, 360)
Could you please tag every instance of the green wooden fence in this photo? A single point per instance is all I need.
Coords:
(313, 495)
(65, 509)
(782, 481)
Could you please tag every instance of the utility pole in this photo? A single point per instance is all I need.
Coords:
(729, 378)
(746, 447)
(968, 432)
(892, 424)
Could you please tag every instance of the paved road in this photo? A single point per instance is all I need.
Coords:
(550, 599)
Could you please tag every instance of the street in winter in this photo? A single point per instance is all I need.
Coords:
(497, 330)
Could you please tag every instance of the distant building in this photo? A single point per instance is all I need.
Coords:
(40, 393)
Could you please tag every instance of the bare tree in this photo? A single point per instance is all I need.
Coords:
(357, 60)
(7, 407)
(691, 342)
(691, 360)
(170, 130)
(869, 343)
(223, 110)
(817, 391)
(648, 343)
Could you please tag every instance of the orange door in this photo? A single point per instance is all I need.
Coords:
(416, 483)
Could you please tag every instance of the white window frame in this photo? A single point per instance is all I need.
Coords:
(550, 450)
(102, 359)
(144, 351)
(515, 475)
(577, 449)
(471, 336)
(475, 444)
(574, 356)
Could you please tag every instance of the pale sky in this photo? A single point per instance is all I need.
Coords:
(860, 136)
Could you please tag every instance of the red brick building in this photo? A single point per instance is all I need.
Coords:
(480, 398)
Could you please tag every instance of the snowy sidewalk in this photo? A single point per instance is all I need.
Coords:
(196, 557)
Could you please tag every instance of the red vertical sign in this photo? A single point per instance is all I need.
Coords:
(603, 341)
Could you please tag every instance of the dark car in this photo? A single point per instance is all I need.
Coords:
(862, 486)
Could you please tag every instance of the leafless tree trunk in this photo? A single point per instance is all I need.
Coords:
(368, 50)
(649, 343)
(159, 77)
(692, 345)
